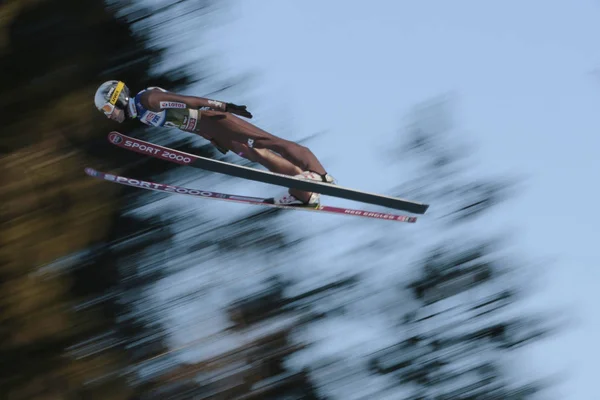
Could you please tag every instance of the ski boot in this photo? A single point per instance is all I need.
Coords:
(314, 201)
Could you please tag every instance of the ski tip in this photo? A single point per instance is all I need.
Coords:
(91, 171)
(417, 208)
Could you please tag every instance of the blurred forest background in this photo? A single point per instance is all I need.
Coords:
(85, 265)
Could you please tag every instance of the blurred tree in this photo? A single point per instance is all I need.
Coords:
(254, 369)
(71, 328)
(466, 320)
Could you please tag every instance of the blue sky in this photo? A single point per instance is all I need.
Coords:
(527, 83)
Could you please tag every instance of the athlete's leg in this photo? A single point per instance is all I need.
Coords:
(238, 130)
(266, 158)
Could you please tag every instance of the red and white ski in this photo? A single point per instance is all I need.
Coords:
(172, 189)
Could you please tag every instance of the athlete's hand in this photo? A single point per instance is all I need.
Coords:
(239, 110)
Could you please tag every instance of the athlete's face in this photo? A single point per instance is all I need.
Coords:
(117, 115)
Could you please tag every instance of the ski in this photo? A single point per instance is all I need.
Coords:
(179, 157)
(173, 189)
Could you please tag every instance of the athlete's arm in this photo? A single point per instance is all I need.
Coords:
(156, 100)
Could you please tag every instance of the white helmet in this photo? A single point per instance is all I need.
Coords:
(112, 94)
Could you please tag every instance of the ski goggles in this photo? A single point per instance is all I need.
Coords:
(109, 108)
